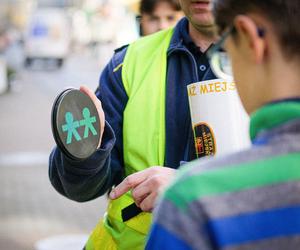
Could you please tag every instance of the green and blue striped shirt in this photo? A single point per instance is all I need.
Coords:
(248, 200)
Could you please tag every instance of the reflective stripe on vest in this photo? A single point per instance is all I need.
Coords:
(144, 79)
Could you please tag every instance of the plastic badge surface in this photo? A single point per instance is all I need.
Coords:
(75, 124)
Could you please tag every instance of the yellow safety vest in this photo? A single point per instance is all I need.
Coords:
(144, 79)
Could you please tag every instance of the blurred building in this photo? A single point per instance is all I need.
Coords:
(15, 13)
(103, 25)
(59, 3)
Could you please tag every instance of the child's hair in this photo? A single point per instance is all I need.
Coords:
(283, 14)
(148, 6)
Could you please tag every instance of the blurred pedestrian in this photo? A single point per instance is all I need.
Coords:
(156, 15)
(248, 200)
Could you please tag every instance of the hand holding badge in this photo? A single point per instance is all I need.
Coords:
(77, 122)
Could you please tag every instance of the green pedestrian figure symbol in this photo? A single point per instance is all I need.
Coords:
(71, 127)
(88, 123)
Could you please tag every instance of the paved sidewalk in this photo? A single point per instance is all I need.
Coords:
(32, 210)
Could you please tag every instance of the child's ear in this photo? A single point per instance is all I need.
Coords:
(249, 33)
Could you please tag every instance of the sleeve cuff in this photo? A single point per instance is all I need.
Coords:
(108, 138)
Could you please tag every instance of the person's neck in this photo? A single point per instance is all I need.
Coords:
(278, 80)
(286, 80)
(203, 37)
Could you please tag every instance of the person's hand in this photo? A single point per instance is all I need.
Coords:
(145, 186)
(98, 105)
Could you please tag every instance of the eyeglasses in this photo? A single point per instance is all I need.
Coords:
(219, 60)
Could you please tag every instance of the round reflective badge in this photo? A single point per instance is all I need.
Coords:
(205, 143)
(75, 124)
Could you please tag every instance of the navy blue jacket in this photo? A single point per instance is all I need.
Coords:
(88, 179)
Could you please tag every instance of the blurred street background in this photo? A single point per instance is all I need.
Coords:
(46, 46)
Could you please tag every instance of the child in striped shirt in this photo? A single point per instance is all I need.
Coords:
(250, 199)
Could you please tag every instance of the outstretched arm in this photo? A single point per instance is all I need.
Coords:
(88, 179)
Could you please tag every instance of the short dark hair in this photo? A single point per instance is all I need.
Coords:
(148, 6)
(283, 14)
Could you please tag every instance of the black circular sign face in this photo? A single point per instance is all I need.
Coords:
(75, 124)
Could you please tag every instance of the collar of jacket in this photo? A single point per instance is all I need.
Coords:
(177, 39)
